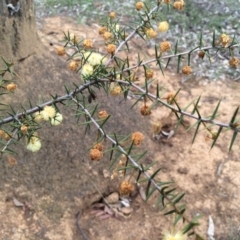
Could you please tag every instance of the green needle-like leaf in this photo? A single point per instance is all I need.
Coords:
(189, 59)
(196, 131)
(176, 48)
(160, 66)
(170, 212)
(213, 39)
(150, 180)
(179, 216)
(233, 139)
(200, 40)
(178, 198)
(216, 137)
(196, 105)
(234, 117)
(150, 193)
(168, 63)
(215, 111)
(179, 63)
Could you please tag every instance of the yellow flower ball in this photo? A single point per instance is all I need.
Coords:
(94, 59)
(57, 119)
(34, 143)
(48, 112)
(87, 70)
(163, 26)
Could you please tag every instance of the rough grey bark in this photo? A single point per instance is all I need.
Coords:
(18, 36)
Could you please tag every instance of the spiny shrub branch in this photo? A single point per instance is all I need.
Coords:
(165, 190)
(116, 76)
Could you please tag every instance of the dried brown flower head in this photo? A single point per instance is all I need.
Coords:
(150, 33)
(201, 54)
(137, 138)
(165, 46)
(95, 154)
(211, 136)
(170, 97)
(107, 35)
(102, 30)
(149, 73)
(139, 6)
(145, 110)
(102, 114)
(11, 160)
(179, 5)
(2, 133)
(111, 48)
(233, 62)
(73, 66)
(112, 15)
(116, 91)
(11, 87)
(87, 43)
(187, 70)
(24, 129)
(98, 146)
(126, 188)
(224, 40)
(61, 51)
(7, 137)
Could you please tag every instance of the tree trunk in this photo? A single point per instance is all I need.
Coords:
(18, 35)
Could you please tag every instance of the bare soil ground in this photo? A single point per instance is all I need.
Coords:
(56, 182)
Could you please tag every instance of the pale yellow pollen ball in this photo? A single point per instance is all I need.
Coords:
(48, 112)
(174, 236)
(163, 26)
(34, 143)
(57, 119)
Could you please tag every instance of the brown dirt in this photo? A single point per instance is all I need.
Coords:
(57, 181)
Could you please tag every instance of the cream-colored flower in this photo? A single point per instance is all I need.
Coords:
(57, 119)
(34, 143)
(87, 70)
(174, 236)
(38, 117)
(94, 58)
(48, 112)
